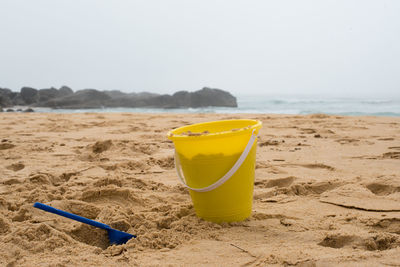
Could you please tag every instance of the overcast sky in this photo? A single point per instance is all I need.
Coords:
(279, 47)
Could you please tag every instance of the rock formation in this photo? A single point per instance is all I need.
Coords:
(91, 98)
(87, 98)
(7, 97)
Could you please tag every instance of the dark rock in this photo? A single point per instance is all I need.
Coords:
(206, 97)
(6, 96)
(64, 91)
(29, 110)
(17, 99)
(91, 98)
(19, 109)
(29, 95)
(48, 94)
(182, 99)
(10, 110)
(160, 101)
(1, 109)
(88, 98)
(143, 95)
(212, 97)
(116, 94)
(120, 99)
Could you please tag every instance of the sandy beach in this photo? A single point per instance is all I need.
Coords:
(327, 193)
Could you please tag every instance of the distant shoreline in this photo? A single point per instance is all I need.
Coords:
(204, 110)
(267, 104)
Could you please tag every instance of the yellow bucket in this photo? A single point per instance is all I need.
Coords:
(218, 162)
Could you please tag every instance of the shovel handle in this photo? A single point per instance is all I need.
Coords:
(71, 216)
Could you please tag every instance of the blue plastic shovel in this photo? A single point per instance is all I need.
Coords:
(114, 236)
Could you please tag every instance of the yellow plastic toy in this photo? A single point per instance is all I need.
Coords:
(218, 162)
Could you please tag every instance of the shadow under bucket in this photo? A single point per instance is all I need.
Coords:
(216, 162)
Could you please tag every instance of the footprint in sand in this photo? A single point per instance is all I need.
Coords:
(391, 155)
(165, 163)
(380, 241)
(270, 143)
(344, 141)
(120, 196)
(261, 165)
(319, 116)
(389, 225)
(134, 165)
(313, 166)
(307, 131)
(384, 188)
(279, 182)
(108, 181)
(16, 166)
(386, 139)
(147, 148)
(90, 236)
(42, 178)
(287, 187)
(264, 171)
(230, 118)
(181, 122)
(4, 145)
(317, 166)
(337, 240)
(322, 187)
(78, 207)
(101, 146)
(266, 216)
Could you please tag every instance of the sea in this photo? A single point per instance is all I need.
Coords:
(269, 104)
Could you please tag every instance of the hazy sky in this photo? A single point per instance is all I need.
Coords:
(280, 47)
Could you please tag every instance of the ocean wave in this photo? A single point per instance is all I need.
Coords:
(267, 105)
(378, 102)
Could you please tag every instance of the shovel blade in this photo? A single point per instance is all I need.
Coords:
(118, 237)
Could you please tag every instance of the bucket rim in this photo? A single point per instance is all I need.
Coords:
(256, 125)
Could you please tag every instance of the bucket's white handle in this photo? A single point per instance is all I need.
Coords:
(224, 178)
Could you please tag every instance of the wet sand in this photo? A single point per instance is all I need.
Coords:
(327, 193)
